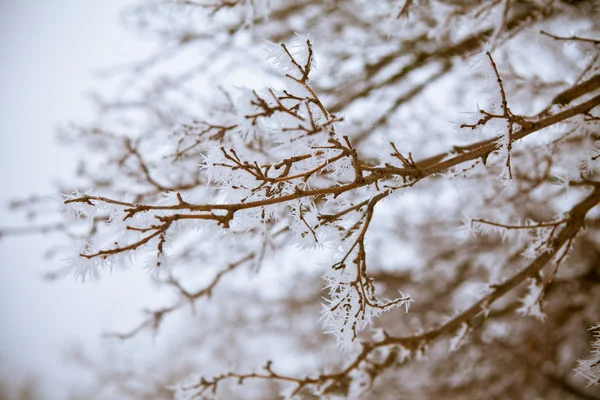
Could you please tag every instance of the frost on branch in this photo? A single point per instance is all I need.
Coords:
(532, 302)
(259, 190)
(352, 306)
(590, 368)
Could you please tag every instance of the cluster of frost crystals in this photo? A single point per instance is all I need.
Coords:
(532, 302)
(88, 216)
(337, 315)
(82, 269)
(280, 59)
(590, 368)
(539, 243)
(305, 225)
(78, 211)
(344, 313)
(85, 269)
(106, 230)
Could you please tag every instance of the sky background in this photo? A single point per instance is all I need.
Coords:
(50, 53)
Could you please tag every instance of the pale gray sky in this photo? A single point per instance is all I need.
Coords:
(49, 51)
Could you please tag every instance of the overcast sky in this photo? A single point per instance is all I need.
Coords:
(49, 52)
